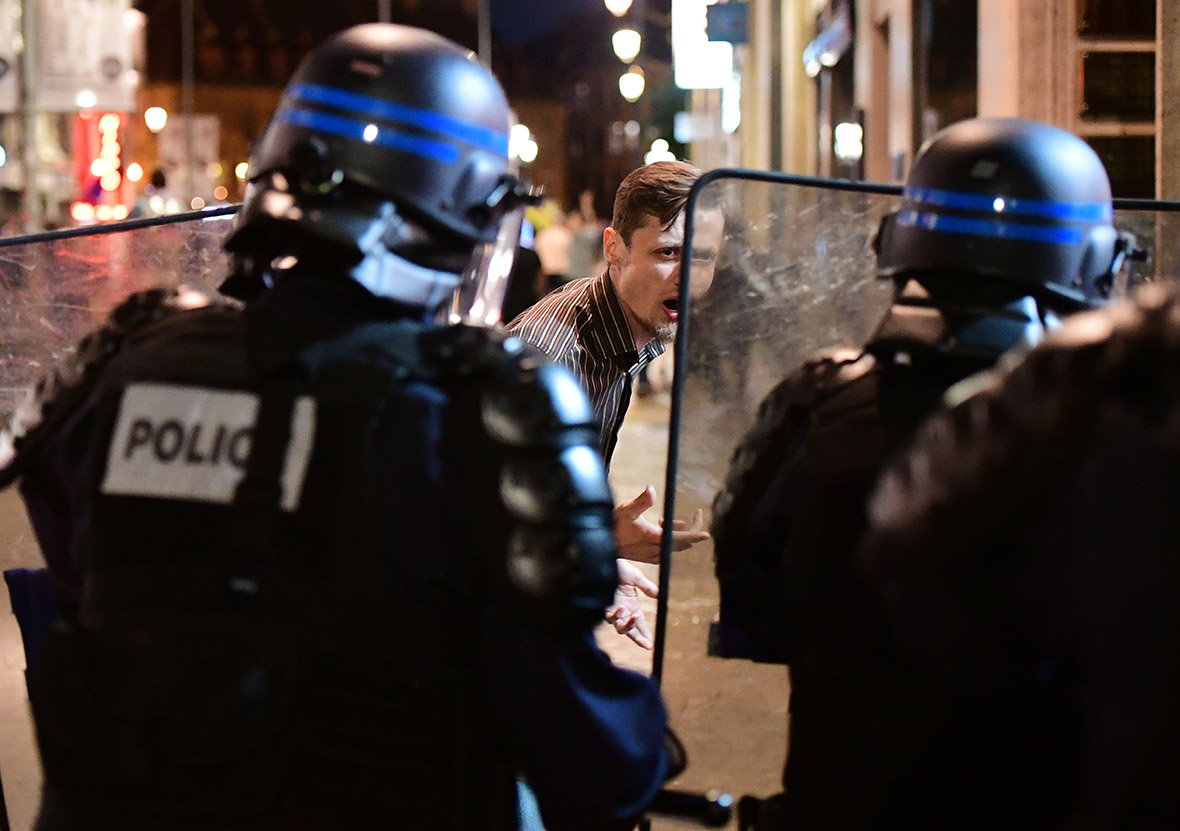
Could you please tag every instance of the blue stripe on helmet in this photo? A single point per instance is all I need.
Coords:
(338, 125)
(368, 107)
(990, 228)
(1070, 211)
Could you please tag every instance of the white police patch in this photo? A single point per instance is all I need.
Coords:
(180, 442)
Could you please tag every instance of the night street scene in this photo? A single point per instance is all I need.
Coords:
(919, 382)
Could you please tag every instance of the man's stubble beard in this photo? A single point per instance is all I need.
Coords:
(665, 333)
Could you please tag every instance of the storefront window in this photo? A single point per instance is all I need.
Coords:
(1118, 86)
(946, 74)
(1116, 18)
(1130, 163)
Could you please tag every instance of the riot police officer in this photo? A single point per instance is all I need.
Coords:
(326, 562)
(1004, 227)
(1026, 548)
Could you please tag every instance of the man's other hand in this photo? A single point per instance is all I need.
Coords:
(626, 614)
(638, 538)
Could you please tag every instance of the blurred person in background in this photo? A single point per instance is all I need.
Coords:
(552, 244)
(527, 281)
(585, 252)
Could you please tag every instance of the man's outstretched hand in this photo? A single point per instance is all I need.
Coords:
(638, 538)
(626, 613)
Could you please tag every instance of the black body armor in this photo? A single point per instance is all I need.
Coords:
(302, 649)
(787, 526)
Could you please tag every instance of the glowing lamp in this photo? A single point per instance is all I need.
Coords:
(626, 43)
(631, 84)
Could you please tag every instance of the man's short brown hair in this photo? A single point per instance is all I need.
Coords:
(659, 189)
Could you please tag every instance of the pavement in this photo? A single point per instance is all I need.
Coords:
(20, 769)
(730, 715)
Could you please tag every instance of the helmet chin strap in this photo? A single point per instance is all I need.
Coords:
(1022, 323)
(387, 275)
(965, 329)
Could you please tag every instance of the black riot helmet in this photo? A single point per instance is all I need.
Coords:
(1011, 201)
(389, 141)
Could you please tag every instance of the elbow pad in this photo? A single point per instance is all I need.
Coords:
(560, 563)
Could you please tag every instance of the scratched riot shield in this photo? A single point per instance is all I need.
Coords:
(796, 275)
(58, 286)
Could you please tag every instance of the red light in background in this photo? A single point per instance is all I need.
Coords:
(98, 167)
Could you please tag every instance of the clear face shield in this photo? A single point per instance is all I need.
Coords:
(1121, 277)
(484, 282)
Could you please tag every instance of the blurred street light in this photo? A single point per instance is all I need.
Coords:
(659, 152)
(521, 144)
(631, 84)
(155, 118)
(618, 7)
(849, 144)
(626, 43)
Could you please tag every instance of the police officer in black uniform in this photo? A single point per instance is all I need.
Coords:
(1004, 227)
(324, 561)
(1027, 547)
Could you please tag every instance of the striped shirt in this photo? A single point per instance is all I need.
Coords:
(582, 326)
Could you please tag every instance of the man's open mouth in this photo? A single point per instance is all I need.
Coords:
(672, 307)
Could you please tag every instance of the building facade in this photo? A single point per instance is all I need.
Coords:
(851, 88)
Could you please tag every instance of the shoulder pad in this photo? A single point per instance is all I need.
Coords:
(825, 373)
(534, 401)
(560, 563)
(529, 400)
(462, 349)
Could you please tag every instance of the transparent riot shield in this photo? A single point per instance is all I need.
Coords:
(57, 286)
(796, 275)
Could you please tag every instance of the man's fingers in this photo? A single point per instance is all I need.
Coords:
(687, 539)
(698, 522)
(645, 585)
(686, 535)
(641, 634)
(630, 575)
(633, 508)
(622, 620)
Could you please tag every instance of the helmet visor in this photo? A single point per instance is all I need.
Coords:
(484, 282)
